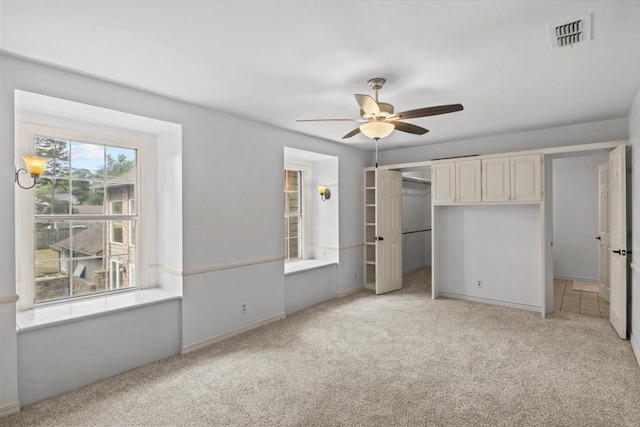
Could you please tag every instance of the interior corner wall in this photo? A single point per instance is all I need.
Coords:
(575, 217)
(634, 140)
(325, 229)
(584, 133)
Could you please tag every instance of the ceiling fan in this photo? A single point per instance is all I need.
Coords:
(378, 119)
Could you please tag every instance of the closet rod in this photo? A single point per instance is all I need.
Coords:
(417, 231)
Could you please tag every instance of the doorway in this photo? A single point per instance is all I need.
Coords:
(576, 250)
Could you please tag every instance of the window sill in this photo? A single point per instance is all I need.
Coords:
(43, 317)
(304, 265)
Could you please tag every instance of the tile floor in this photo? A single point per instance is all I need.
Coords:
(566, 300)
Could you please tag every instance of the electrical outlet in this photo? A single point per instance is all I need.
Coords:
(324, 254)
(243, 308)
(479, 285)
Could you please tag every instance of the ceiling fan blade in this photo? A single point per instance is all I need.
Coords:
(429, 111)
(368, 104)
(409, 128)
(327, 120)
(352, 133)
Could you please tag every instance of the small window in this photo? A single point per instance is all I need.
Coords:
(293, 214)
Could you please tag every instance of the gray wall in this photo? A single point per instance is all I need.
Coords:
(496, 244)
(575, 217)
(232, 207)
(416, 215)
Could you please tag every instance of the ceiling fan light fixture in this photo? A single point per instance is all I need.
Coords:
(377, 129)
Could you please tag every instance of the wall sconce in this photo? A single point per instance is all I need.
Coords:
(325, 193)
(35, 167)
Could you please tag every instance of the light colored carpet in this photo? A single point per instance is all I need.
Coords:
(585, 286)
(397, 359)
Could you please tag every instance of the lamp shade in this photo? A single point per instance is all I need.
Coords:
(377, 129)
(322, 189)
(35, 165)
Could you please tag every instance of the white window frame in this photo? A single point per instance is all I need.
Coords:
(25, 212)
(304, 220)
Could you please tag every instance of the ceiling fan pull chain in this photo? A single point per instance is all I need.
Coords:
(377, 139)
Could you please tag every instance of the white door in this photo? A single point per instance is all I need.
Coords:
(603, 229)
(388, 231)
(618, 241)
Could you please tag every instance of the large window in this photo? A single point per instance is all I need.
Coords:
(293, 214)
(84, 218)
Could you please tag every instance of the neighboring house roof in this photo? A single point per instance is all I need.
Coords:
(118, 181)
(87, 209)
(89, 241)
(66, 197)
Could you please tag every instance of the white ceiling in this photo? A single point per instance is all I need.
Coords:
(278, 61)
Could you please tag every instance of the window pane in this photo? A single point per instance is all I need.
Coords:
(51, 283)
(87, 161)
(121, 164)
(52, 196)
(121, 273)
(294, 223)
(51, 238)
(293, 202)
(89, 197)
(294, 248)
(57, 151)
(115, 207)
(88, 276)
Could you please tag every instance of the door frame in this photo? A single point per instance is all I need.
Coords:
(544, 239)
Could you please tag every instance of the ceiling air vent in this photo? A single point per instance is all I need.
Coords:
(570, 32)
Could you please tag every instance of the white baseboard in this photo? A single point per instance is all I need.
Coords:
(489, 301)
(350, 291)
(635, 347)
(579, 279)
(415, 267)
(603, 292)
(209, 341)
(9, 409)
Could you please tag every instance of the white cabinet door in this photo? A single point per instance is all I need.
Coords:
(525, 178)
(443, 182)
(468, 185)
(496, 182)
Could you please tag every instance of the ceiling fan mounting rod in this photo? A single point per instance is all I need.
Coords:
(376, 84)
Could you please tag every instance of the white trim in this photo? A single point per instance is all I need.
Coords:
(579, 279)
(354, 245)
(350, 291)
(294, 267)
(73, 311)
(9, 409)
(489, 301)
(415, 267)
(173, 271)
(635, 267)
(552, 150)
(635, 347)
(227, 266)
(210, 341)
(8, 299)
